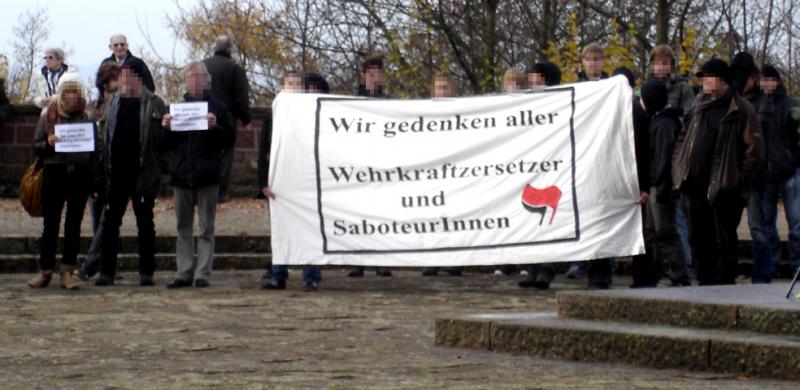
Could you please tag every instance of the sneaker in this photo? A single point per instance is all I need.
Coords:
(523, 273)
(146, 280)
(385, 272)
(179, 283)
(311, 286)
(104, 281)
(81, 274)
(274, 285)
(201, 283)
(575, 271)
(355, 272)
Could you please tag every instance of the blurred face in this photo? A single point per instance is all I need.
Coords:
(593, 64)
(442, 88)
(662, 67)
(72, 100)
(119, 45)
(293, 83)
(112, 85)
(769, 85)
(713, 85)
(51, 61)
(195, 82)
(130, 84)
(373, 78)
(536, 80)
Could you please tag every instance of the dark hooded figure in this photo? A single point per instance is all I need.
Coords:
(780, 178)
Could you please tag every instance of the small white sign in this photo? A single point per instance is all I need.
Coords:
(189, 116)
(75, 137)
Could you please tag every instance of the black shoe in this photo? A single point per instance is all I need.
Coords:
(146, 280)
(385, 272)
(454, 271)
(311, 286)
(274, 285)
(178, 283)
(528, 282)
(599, 286)
(104, 281)
(355, 272)
(428, 271)
(81, 274)
(201, 283)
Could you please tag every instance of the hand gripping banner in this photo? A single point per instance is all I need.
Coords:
(534, 177)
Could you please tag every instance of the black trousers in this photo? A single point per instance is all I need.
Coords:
(116, 204)
(70, 184)
(646, 271)
(713, 237)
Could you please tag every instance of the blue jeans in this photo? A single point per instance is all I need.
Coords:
(683, 233)
(762, 214)
(311, 274)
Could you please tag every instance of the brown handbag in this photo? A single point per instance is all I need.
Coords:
(30, 189)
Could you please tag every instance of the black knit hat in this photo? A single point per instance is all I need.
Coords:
(770, 71)
(628, 74)
(716, 67)
(655, 96)
(548, 70)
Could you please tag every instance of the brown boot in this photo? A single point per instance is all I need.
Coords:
(66, 278)
(41, 280)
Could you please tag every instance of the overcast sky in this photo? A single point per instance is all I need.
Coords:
(85, 26)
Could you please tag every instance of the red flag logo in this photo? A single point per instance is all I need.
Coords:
(538, 200)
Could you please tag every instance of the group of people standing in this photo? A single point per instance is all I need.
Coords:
(703, 155)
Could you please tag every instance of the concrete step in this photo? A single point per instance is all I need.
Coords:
(757, 308)
(19, 245)
(659, 346)
(27, 263)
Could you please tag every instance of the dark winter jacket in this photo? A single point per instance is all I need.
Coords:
(738, 149)
(151, 140)
(229, 85)
(679, 94)
(196, 156)
(138, 66)
(665, 126)
(780, 135)
(641, 139)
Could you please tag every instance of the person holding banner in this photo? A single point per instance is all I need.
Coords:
(442, 87)
(199, 132)
(69, 178)
(373, 74)
(131, 153)
(540, 76)
(717, 159)
(312, 276)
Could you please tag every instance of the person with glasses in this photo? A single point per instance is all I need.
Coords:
(52, 71)
(122, 56)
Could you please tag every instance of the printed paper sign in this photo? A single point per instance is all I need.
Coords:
(189, 116)
(75, 137)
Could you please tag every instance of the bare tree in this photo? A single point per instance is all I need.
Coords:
(30, 35)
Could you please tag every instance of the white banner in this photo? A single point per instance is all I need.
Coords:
(74, 137)
(188, 116)
(505, 179)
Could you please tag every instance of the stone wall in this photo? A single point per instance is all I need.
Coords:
(16, 136)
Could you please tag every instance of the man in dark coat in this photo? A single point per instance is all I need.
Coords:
(122, 56)
(717, 159)
(229, 85)
(781, 178)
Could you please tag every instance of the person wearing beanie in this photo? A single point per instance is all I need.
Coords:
(69, 178)
(661, 222)
(781, 179)
(663, 67)
(716, 161)
(628, 75)
(541, 75)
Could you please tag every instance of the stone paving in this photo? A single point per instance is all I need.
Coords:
(353, 333)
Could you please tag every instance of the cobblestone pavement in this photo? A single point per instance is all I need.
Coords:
(363, 333)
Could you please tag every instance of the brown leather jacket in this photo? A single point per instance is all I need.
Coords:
(738, 154)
